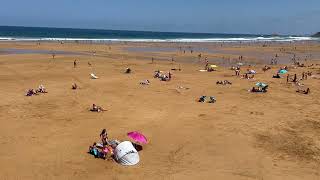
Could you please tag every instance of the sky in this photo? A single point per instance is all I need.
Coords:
(212, 16)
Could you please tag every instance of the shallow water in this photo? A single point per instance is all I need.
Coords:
(168, 49)
(36, 51)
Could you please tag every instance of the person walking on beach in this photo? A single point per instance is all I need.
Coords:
(74, 63)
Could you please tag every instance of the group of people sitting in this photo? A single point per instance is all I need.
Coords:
(105, 149)
(259, 89)
(96, 108)
(225, 82)
(41, 89)
(212, 99)
(162, 77)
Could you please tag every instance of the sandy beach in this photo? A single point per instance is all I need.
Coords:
(244, 135)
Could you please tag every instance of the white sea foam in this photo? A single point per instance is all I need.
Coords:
(244, 39)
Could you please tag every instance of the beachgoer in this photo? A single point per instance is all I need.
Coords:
(96, 108)
(128, 70)
(295, 78)
(202, 99)
(104, 137)
(212, 99)
(276, 76)
(94, 150)
(41, 89)
(74, 63)
(74, 86)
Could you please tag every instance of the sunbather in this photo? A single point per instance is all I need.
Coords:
(145, 82)
(202, 99)
(31, 92)
(276, 76)
(96, 108)
(94, 150)
(227, 82)
(164, 78)
(212, 99)
(41, 89)
(259, 89)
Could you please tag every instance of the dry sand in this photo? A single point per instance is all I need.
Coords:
(242, 136)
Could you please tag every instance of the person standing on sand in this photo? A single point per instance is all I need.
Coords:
(295, 78)
(74, 63)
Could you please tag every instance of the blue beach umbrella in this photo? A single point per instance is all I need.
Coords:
(283, 71)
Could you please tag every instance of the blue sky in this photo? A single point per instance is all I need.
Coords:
(223, 16)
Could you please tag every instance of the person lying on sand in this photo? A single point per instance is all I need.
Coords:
(304, 91)
(202, 99)
(145, 82)
(157, 74)
(212, 99)
(41, 89)
(262, 90)
(276, 76)
(164, 78)
(251, 71)
(225, 82)
(96, 108)
(246, 76)
(31, 92)
(96, 152)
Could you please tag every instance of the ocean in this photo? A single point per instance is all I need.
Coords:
(12, 33)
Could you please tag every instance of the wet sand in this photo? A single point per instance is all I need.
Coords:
(242, 136)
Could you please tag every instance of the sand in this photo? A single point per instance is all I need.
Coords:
(242, 136)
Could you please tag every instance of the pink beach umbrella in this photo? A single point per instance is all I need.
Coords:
(138, 137)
